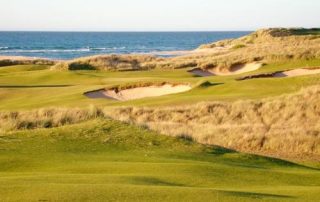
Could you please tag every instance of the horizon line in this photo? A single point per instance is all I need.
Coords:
(128, 30)
(137, 30)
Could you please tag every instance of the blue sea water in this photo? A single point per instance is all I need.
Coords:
(68, 45)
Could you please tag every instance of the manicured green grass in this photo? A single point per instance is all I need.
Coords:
(104, 160)
(26, 87)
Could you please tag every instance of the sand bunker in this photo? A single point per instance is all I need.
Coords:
(280, 74)
(237, 69)
(139, 92)
(297, 72)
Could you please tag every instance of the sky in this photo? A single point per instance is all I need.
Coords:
(156, 15)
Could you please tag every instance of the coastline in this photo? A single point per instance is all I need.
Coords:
(159, 54)
(72, 45)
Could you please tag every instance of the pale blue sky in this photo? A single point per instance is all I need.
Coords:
(157, 15)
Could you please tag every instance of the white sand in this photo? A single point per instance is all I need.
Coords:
(202, 51)
(16, 58)
(23, 58)
(171, 53)
(211, 50)
(240, 69)
(140, 92)
(297, 72)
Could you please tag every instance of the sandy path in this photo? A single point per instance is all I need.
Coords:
(140, 92)
(239, 69)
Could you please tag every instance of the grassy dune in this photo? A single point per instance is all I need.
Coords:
(106, 160)
(286, 126)
(265, 46)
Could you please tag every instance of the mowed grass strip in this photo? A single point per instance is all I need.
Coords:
(104, 160)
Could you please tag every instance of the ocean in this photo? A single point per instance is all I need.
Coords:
(69, 45)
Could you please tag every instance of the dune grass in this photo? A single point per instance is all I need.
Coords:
(265, 46)
(285, 126)
(46, 118)
(104, 160)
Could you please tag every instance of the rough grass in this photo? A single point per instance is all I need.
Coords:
(46, 118)
(267, 45)
(287, 126)
(109, 63)
(104, 160)
(237, 46)
(12, 62)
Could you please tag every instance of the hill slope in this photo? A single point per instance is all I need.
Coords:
(105, 160)
(287, 126)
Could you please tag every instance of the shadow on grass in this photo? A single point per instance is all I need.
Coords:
(35, 86)
(91, 73)
(208, 84)
(254, 195)
(141, 180)
(281, 162)
(254, 159)
(79, 66)
(186, 138)
(221, 151)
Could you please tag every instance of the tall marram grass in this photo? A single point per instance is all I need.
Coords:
(284, 126)
(46, 118)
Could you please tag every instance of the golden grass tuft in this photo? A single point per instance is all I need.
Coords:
(46, 118)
